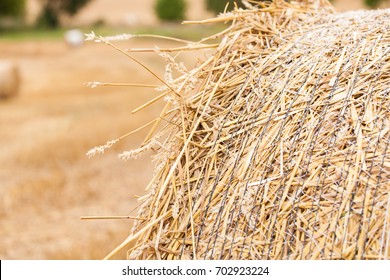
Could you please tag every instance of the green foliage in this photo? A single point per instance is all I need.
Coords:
(53, 9)
(12, 7)
(71, 7)
(372, 3)
(48, 18)
(170, 10)
(218, 6)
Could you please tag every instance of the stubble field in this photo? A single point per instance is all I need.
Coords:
(46, 180)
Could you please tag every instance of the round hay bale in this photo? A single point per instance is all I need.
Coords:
(9, 79)
(74, 38)
(277, 145)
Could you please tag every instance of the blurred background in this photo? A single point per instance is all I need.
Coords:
(49, 118)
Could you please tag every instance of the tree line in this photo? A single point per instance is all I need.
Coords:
(166, 10)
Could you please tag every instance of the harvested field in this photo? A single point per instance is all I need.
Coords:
(46, 180)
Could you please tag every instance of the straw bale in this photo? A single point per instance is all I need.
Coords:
(276, 146)
(9, 79)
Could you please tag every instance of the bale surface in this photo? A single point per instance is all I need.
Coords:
(277, 145)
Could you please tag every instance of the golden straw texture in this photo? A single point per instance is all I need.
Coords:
(277, 145)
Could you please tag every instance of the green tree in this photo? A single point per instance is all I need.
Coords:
(372, 3)
(53, 9)
(218, 6)
(12, 8)
(170, 10)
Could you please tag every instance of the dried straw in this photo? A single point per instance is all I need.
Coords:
(277, 144)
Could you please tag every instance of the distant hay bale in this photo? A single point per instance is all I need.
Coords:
(9, 79)
(277, 145)
(74, 38)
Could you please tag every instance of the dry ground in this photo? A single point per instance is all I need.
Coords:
(46, 180)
